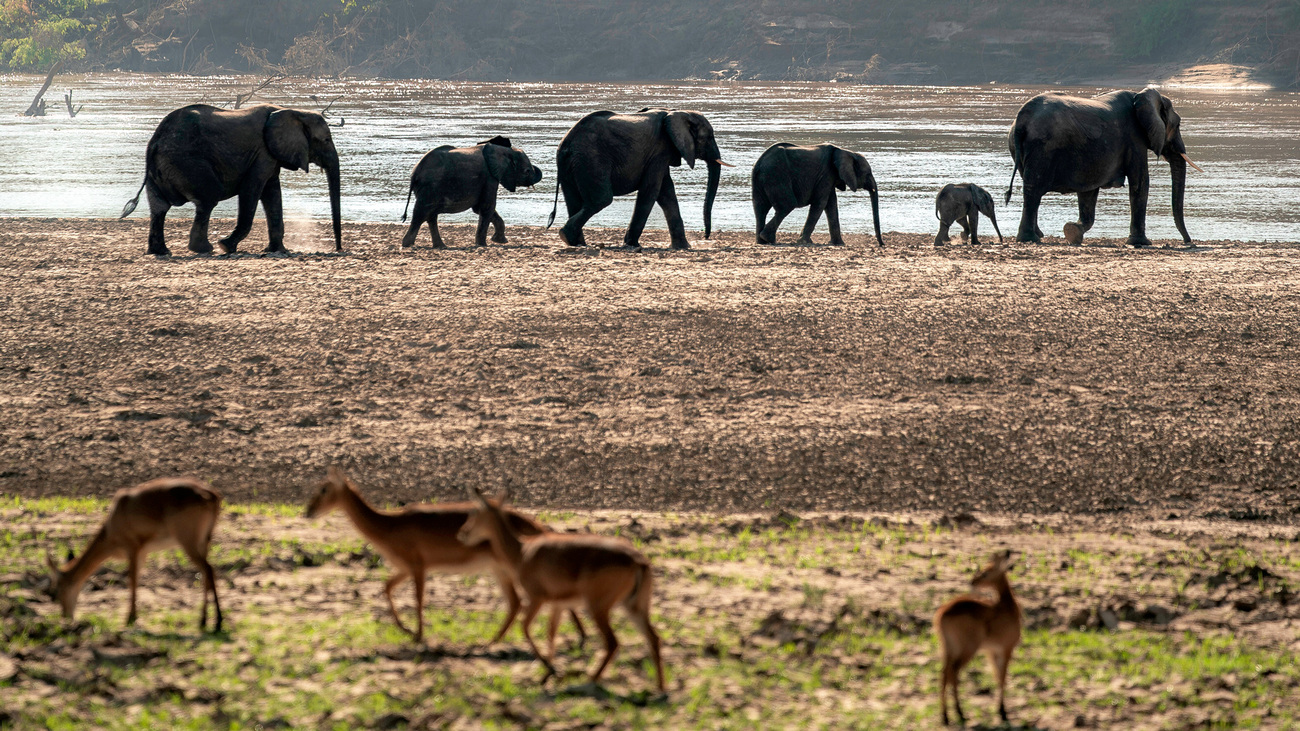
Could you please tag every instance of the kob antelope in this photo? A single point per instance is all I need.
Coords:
(569, 570)
(149, 517)
(421, 538)
(971, 623)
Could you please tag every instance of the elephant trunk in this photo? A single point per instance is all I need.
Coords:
(875, 214)
(994, 220)
(1178, 171)
(715, 175)
(332, 173)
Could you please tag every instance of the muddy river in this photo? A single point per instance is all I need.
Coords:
(917, 138)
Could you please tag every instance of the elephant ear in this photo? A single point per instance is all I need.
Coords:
(983, 201)
(842, 161)
(681, 131)
(1150, 119)
(498, 140)
(286, 137)
(499, 165)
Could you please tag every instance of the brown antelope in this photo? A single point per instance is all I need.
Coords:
(421, 538)
(971, 623)
(569, 570)
(149, 517)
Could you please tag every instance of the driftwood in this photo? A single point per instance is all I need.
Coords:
(37, 108)
(241, 98)
(325, 111)
(67, 100)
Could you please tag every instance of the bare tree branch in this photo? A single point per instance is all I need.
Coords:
(37, 108)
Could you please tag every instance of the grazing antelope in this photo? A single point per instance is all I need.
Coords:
(568, 570)
(149, 517)
(971, 623)
(421, 538)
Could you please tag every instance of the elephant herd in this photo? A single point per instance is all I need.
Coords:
(1059, 144)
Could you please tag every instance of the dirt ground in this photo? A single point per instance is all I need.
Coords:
(769, 621)
(1009, 379)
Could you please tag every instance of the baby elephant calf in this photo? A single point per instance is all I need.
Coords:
(963, 203)
(453, 179)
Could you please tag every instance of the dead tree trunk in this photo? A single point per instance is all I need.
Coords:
(37, 108)
(67, 100)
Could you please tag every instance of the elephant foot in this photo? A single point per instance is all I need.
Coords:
(159, 251)
(974, 242)
(480, 244)
(837, 242)
(202, 247)
(408, 243)
(680, 246)
(1073, 234)
(439, 245)
(1138, 242)
(571, 239)
(276, 248)
(1029, 239)
(804, 241)
(499, 239)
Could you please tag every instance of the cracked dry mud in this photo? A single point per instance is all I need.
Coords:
(1016, 378)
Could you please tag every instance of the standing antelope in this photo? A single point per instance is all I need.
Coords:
(421, 538)
(149, 517)
(971, 623)
(568, 570)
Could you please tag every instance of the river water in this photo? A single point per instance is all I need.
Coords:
(917, 139)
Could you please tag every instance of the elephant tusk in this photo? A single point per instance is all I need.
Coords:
(726, 164)
(1189, 162)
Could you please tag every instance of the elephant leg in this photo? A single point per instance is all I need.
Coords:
(833, 220)
(778, 215)
(199, 229)
(434, 234)
(484, 222)
(1029, 232)
(964, 222)
(274, 211)
(157, 221)
(645, 200)
(498, 229)
(672, 214)
(418, 217)
(247, 207)
(1138, 187)
(573, 204)
(942, 237)
(595, 198)
(814, 215)
(974, 220)
(1074, 231)
(761, 208)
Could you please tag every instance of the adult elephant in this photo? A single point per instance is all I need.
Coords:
(203, 155)
(788, 176)
(608, 154)
(1066, 144)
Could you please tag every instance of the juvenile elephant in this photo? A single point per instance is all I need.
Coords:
(963, 203)
(203, 155)
(607, 154)
(1066, 144)
(454, 179)
(789, 176)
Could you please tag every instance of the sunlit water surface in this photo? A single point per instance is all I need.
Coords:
(917, 139)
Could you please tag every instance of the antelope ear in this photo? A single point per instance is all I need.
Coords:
(678, 126)
(286, 139)
(844, 169)
(1147, 108)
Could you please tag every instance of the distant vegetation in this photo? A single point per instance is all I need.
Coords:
(930, 41)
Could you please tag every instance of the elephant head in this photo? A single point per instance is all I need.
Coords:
(984, 204)
(852, 171)
(1160, 125)
(510, 166)
(692, 135)
(295, 139)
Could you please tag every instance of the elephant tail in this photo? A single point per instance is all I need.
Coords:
(1017, 159)
(554, 206)
(129, 208)
(407, 207)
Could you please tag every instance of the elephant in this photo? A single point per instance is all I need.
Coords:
(963, 203)
(453, 179)
(789, 176)
(1065, 144)
(607, 154)
(203, 155)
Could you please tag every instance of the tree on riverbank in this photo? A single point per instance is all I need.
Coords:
(931, 41)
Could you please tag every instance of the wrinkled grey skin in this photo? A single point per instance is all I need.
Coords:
(787, 177)
(454, 179)
(607, 154)
(963, 203)
(1065, 144)
(203, 155)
